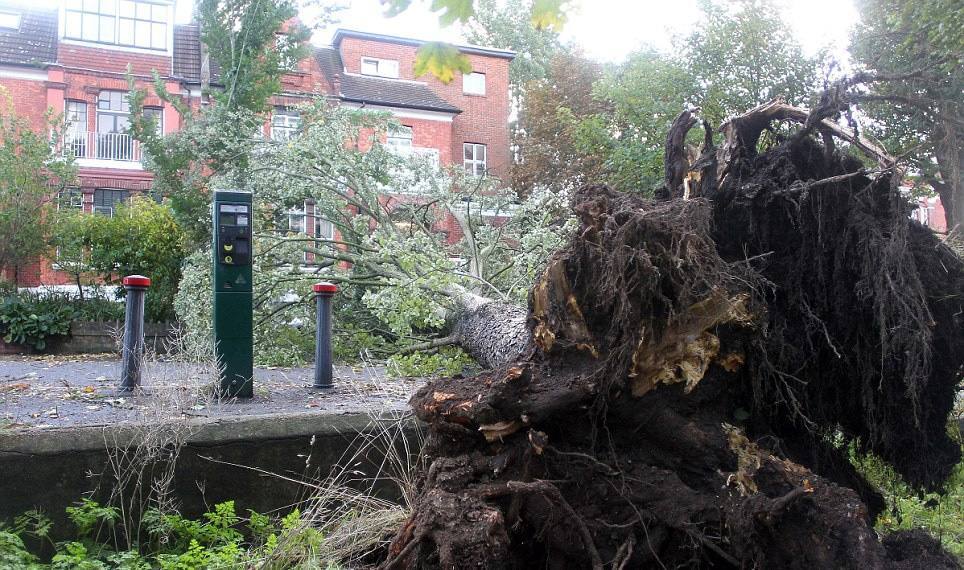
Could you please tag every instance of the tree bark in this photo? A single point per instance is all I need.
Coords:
(492, 332)
(949, 151)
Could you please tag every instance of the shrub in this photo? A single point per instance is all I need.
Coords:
(141, 238)
(27, 323)
(33, 318)
(215, 540)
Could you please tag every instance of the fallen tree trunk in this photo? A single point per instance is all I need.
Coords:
(494, 333)
(693, 367)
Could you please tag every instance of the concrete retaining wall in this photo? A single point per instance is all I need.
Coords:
(223, 459)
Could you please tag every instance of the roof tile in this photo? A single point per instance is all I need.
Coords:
(187, 54)
(35, 42)
(393, 93)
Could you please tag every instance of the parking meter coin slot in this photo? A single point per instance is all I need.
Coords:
(234, 245)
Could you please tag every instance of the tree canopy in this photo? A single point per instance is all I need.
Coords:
(608, 123)
(911, 54)
(31, 170)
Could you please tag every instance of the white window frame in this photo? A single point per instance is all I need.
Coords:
(297, 217)
(158, 114)
(75, 137)
(74, 198)
(10, 20)
(383, 67)
(138, 24)
(328, 226)
(284, 124)
(474, 165)
(473, 83)
(400, 140)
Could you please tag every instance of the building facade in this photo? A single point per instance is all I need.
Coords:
(74, 62)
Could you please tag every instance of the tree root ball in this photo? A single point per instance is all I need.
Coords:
(697, 367)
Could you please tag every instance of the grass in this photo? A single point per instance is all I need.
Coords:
(344, 521)
(940, 514)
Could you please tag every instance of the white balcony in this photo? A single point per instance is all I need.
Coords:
(105, 150)
(424, 153)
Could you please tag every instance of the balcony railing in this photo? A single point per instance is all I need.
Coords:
(117, 147)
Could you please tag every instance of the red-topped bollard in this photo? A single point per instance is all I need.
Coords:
(323, 368)
(133, 351)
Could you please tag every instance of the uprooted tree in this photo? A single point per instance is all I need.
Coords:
(698, 363)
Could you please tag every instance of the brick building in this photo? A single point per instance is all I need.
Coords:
(74, 61)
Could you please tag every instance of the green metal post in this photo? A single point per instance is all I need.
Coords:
(233, 337)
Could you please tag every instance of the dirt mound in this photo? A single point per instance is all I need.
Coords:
(695, 365)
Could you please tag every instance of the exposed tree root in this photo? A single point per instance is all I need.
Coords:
(694, 364)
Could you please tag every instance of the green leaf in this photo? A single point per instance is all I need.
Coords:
(454, 10)
(441, 60)
(395, 7)
(548, 14)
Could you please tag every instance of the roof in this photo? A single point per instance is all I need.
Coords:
(340, 34)
(392, 93)
(187, 55)
(329, 61)
(35, 42)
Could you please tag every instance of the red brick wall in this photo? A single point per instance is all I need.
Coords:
(101, 59)
(484, 119)
(432, 134)
(308, 78)
(29, 100)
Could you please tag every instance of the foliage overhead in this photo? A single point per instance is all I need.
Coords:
(744, 54)
(612, 128)
(441, 60)
(540, 15)
(241, 36)
(911, 53)
(559, 146)
(506, 25)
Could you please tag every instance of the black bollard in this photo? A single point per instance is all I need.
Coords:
(133, 350)
(323, 369)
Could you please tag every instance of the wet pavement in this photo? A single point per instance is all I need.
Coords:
(81, 390)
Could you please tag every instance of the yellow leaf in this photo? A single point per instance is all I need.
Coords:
(441, 60)
(548, 14)
(454, 10)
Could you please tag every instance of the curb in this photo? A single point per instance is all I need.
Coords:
(202, 431)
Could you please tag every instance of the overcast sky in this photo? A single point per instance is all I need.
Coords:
(607, 30)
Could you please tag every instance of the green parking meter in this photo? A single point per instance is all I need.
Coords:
(233, 338)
